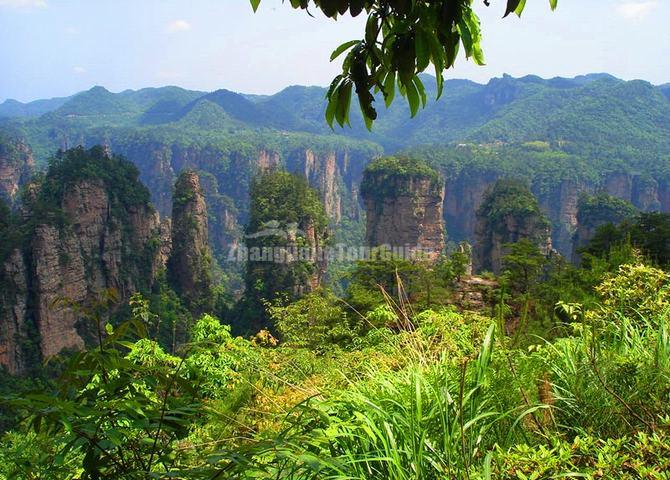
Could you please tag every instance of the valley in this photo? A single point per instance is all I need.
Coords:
(167, 240)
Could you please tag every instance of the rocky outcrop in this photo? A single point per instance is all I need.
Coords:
(335, 172)
(16, 167)
(267, 161)
(559, 204)
(14, 329)
(645, 194)
(322, 174)
(403, 203)
(86, 237)
(99, 249)
(474, 293)
(464, 195)
(595, 211)
(619, 185)
(224, 231)
(284, 241)
(465, 191)
(59, 277)
(508, 214)
(165, 244)
(190, 263)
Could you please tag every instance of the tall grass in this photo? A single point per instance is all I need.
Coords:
(445, 417)
(423, 422)
(614, 378)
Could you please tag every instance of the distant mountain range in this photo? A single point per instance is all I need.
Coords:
(595, 109)
(565, 136)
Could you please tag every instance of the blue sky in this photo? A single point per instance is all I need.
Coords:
(58, 47)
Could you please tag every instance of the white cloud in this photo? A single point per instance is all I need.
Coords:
(23, 3)
(177, 26)
(79, 70)
(636, 10)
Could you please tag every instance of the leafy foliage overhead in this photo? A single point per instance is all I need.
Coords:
(402, 39)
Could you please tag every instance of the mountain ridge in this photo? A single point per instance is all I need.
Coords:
(142, 98)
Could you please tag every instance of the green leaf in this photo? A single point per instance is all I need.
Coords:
(343, 48)
(406, 57)
(356, 7)
(412, 98)
(420, 89)
(451, 44)
(389, 89)
(520, 8)
(329, 7)
(438, 58)
(332, 100)
(422, 47)
(255, 4)
(512, 5)
(553, 4)
(330, 110)
(371, 29)
(466, 38)
(366, 101)
(439, 79)
(478, 54)
(343, 103)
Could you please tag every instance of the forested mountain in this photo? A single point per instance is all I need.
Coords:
(595, 109)
(564, 136)
(13, 108)
(471, 372)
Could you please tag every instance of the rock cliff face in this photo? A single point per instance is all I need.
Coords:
(323, 175)
(285, 234)
(91, 241)
(336, 176)
(464, 194)
(403, 204)
(559, 204)
(98, 250)
(226, 177)
(16, 167)
(224, 231)
(189, 265)
(509, 213)
(14, 330)
(595, 211)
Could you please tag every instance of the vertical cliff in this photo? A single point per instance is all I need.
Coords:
(287, 228)
(595, 211)
(403, 202)
(190, 264)
(86, 228)
(16, 167)
(14, 326)
(323, 175)
(227, 171)
(509, 213)
(224, 231)
(558, 199)
(559, 203)
(464, 195)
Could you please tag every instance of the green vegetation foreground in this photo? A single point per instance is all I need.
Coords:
(397, 395)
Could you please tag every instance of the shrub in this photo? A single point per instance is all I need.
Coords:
(316, 321)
